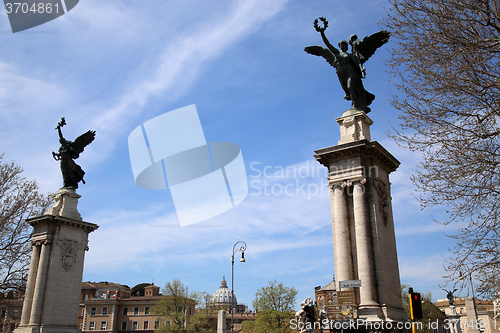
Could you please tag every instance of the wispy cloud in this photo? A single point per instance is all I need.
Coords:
(181, 61)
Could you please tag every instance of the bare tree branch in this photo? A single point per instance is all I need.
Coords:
(446, 56)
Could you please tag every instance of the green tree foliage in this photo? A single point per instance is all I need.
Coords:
(446, 55)
(205, 318)
(174, 307)
(19, 199)
(138, 290)
(274, 306)
(430, 312)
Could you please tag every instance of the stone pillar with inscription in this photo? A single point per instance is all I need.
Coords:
(54, 284)
(363, 228)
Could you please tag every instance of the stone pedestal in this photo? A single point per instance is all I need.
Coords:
(470, 309)
(221, 321)
(59, 243)
(354, 125)
(363, 228)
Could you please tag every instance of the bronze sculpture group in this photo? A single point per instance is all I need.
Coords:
(68, 152)
(349, 66)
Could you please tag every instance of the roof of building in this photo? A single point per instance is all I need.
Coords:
(224, 294)
(102, 285)
(330, 286)
(460, 301)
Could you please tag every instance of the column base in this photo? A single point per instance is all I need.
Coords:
(371, 312)
(47, 329)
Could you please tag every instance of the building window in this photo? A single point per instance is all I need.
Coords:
(105, 310)
(145, 325)
(134, 326)
(81, 326)
(103, 325)
(124, 325)
(92, 326)
(136, 310)
(15, 312)
(157, 324)
(146, 310)
(93, 311)
(125, 311)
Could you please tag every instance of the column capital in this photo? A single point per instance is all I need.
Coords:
(347, 182)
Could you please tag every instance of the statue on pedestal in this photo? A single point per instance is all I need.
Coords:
(450, 296)
(349, 66)
(68, 152)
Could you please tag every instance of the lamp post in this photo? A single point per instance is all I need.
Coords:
(242, 249)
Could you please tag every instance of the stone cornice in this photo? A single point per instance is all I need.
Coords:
(361, 148)
(49, 219)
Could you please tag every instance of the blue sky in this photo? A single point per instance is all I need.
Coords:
(112, 65)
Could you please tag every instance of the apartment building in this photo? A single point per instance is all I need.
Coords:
(108, 307)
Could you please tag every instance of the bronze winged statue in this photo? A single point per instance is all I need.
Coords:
(450, 296)
(68, 152)
(349, 66)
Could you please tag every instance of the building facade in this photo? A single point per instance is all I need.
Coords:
(109, 307)
(462, 315)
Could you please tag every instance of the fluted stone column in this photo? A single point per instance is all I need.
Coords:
(364, 246)
(342, 237)
(30, 287)
(43, 265)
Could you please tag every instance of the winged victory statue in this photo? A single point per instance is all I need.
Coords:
(349, 66)
(68, 152)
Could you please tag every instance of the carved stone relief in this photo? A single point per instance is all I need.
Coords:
(69, 251)
(384, 197)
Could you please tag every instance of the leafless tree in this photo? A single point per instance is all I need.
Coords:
(19, 199)
(446, 56)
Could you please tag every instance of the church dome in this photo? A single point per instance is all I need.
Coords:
(223, 294)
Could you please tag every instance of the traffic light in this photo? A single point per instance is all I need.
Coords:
(415, 305)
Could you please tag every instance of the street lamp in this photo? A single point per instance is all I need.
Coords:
(242, 249)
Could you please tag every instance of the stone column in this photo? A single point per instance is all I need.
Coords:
(60, 239)
(30, 287)
(342, 237)
(364, 246)
(221, 321)
(43, 265)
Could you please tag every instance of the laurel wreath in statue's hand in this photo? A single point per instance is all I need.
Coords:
(317, 27)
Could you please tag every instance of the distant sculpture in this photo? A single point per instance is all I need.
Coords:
(305, 317)
(449, 295)
(68, 152)
(349, 66)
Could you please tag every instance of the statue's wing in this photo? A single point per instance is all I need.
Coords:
(322, 52)
(83, 140)
(370, 44)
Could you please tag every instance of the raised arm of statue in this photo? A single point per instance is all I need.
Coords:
(59, 125)
(332, 48)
